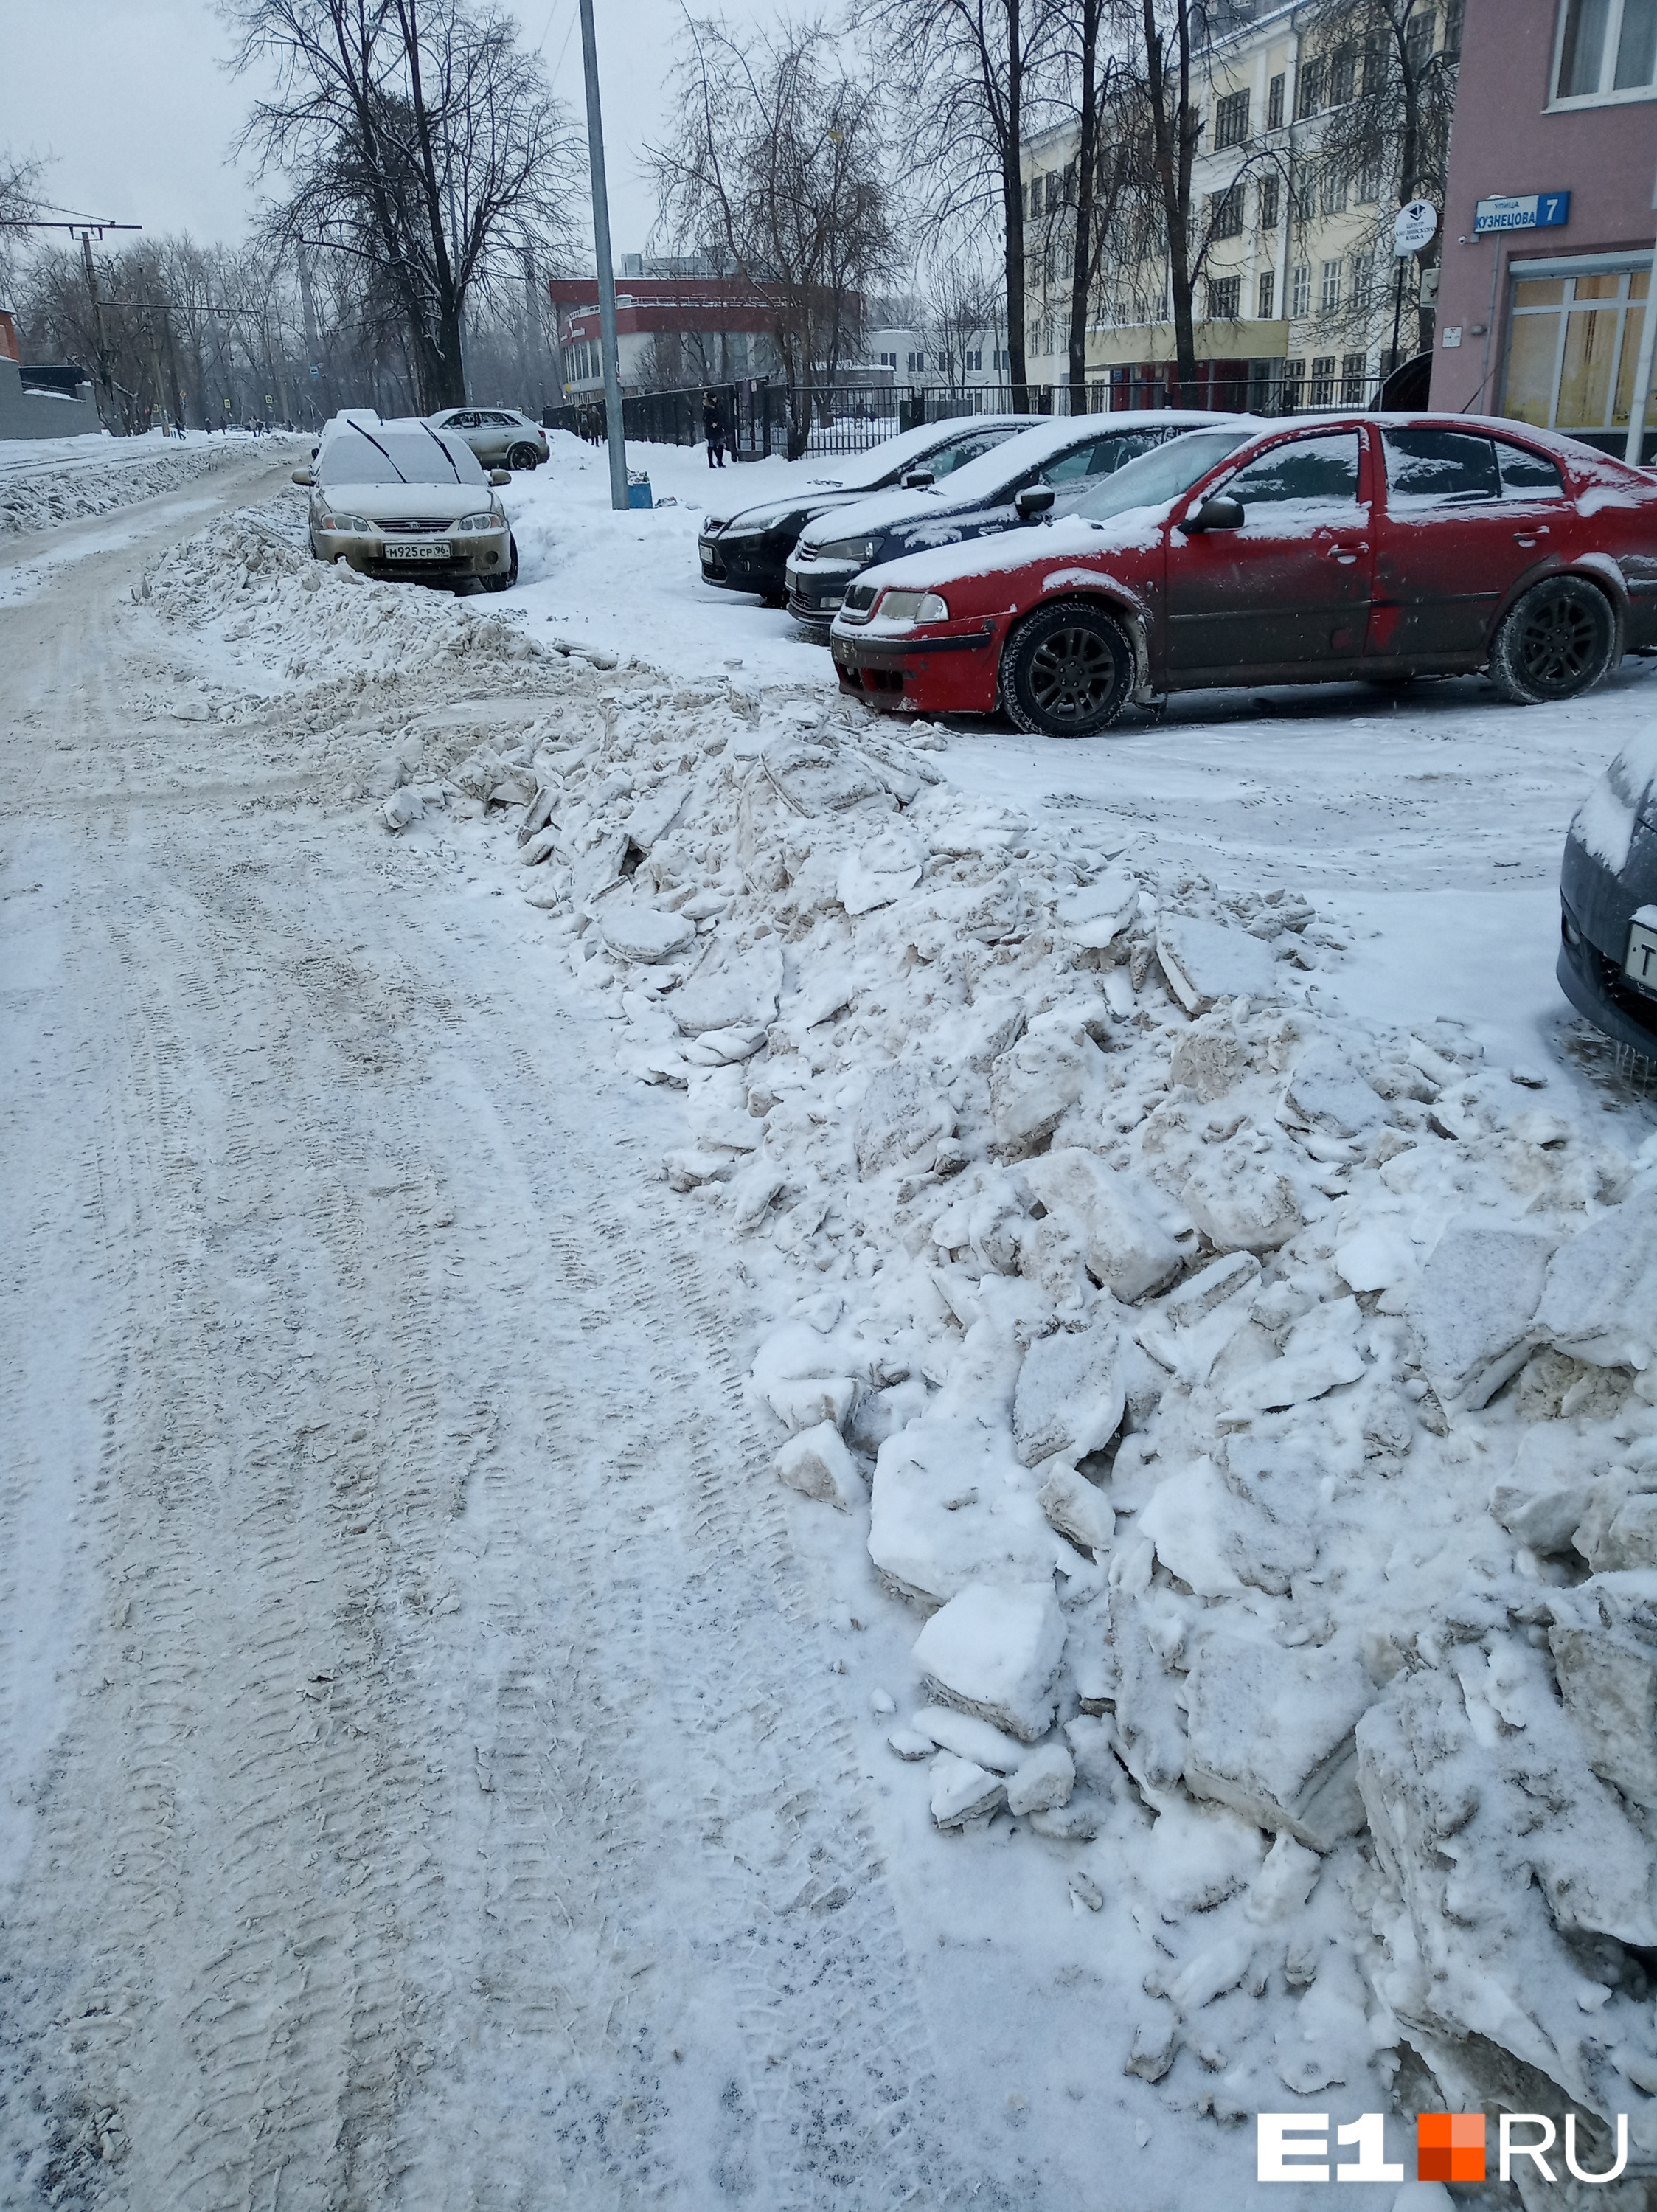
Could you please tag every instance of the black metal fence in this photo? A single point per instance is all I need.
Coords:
(762, 418)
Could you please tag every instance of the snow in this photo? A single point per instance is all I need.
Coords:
(1238, 1424)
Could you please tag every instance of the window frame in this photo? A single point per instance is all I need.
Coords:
(1231, 120)
(1571, 103)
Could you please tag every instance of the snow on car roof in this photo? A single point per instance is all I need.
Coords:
(403, 451)
(851, 472)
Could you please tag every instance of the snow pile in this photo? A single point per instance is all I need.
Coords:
(38, 498)
(1254, 1407)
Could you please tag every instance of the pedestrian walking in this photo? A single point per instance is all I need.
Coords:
(713, 429)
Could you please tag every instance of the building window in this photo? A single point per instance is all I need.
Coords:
(1377, 60)
(1418, 41)
(1274, 92)
(1573, 351)
(974, 364)
(1332, 188)
(1224, 298)
(1271, 198)
(1268, 306)
(1294, 386)
(1230, 120)
(1301, 293)
(1353, 376)
(1311, 90)
(1329, 290)
(1453, 15)
(1322, 391)
(1225, 213)
(1343, 72)
(1608, 47)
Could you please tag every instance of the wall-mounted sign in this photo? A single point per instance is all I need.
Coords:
(1523, 211)
(1414, 227)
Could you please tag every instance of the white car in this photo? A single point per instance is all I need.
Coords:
(402, 500)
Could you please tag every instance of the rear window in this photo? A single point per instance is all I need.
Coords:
(388, 456)
(1462, 468)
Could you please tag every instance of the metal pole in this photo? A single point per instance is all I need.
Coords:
(1641, 394)
(606, 274)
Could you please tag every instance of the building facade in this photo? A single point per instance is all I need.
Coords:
(1549, 217)
(1299, 300)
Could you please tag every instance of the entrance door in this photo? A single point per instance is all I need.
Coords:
(1288, 593)
(1467, 514)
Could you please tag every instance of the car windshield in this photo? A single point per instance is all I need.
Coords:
(388, 456)
(1157, 478)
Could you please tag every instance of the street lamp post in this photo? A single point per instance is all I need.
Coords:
(606, 274)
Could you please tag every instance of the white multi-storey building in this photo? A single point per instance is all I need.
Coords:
(1296, 300)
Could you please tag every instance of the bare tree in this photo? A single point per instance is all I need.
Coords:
(967, 72)
(415, 135)
(960, 300)
(777, 176)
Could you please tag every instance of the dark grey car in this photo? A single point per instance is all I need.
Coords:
(1608, 903)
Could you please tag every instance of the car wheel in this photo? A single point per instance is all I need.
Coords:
(1067, 671)
(1555, 643)
(523, 456)
(504, 583)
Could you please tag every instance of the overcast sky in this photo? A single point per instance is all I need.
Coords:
(129, 97)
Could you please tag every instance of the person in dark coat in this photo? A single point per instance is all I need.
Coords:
(713, 429)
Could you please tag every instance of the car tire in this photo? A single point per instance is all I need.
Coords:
(504, 583)
(523, 456)
(1554, 643)
(1067, 671)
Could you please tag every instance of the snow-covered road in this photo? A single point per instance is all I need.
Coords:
(441, 1765)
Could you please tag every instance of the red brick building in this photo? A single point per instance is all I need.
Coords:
(1550, 223)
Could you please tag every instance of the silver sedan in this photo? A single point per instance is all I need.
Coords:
(500, 436)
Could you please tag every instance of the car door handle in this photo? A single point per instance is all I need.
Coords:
(1346, 553)
(1530, 536)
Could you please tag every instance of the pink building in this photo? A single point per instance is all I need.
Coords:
(1549, 225)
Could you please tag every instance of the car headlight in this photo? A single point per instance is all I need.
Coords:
(862, 550)
(914, 606)
(477, 522)
(347, 525)
(712, 524)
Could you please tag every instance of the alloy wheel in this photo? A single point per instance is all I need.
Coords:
(1559, 643)
(1072, 674)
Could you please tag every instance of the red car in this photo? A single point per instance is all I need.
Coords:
(1378, 547)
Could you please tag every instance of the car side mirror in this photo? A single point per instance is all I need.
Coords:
(302, 476)
(1216, 513)
(1034, 499)
(500, 476)
(916, 480)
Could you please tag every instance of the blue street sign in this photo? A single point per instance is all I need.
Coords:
(1521, 211)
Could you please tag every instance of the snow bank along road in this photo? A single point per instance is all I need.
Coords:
(735, 1477)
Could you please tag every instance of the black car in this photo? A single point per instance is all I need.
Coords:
(1042, 471)
(747, 550)
(1608, 903)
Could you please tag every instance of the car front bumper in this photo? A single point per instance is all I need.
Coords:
(816, 595)
(425, 560)
(954, 673)
(749, 564)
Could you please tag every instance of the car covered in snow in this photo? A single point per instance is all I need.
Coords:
(403, 500)
(1608, 903)
(1042, 472)
(748, 549)
(501, 437)
(1337, 547)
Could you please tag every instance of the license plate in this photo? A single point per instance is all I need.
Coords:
(429, 549)
(705, 547)
(1639, 961)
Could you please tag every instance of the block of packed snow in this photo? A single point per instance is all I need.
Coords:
(1375, 1258)
(962, 1791)
(1600, 1302)
(1320, 1354)
(1608, 1679)
(900, 1116)
(1204, 961)
(1082, 1515)
(655, 815)
(1070, 1397)
(1036, 1081)
(687, 1168)
(1269, 1732)
(1241, 1201)
(949, 1503)
(1618, 1530)
(807, 1401)
(403, 809)
(879, 871)
(993, 1650)
(1207, 1059)
(816, 1462)
(639, 931)
(1043, 1782)
(1326, 1091)
(1470, 1310)
(1544, 1520)
(1199, 1296)
(969, 1737)
(736, 993)
(1117, 1217)
(1094, 915)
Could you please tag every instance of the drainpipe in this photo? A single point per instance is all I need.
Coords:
(1641, 394)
